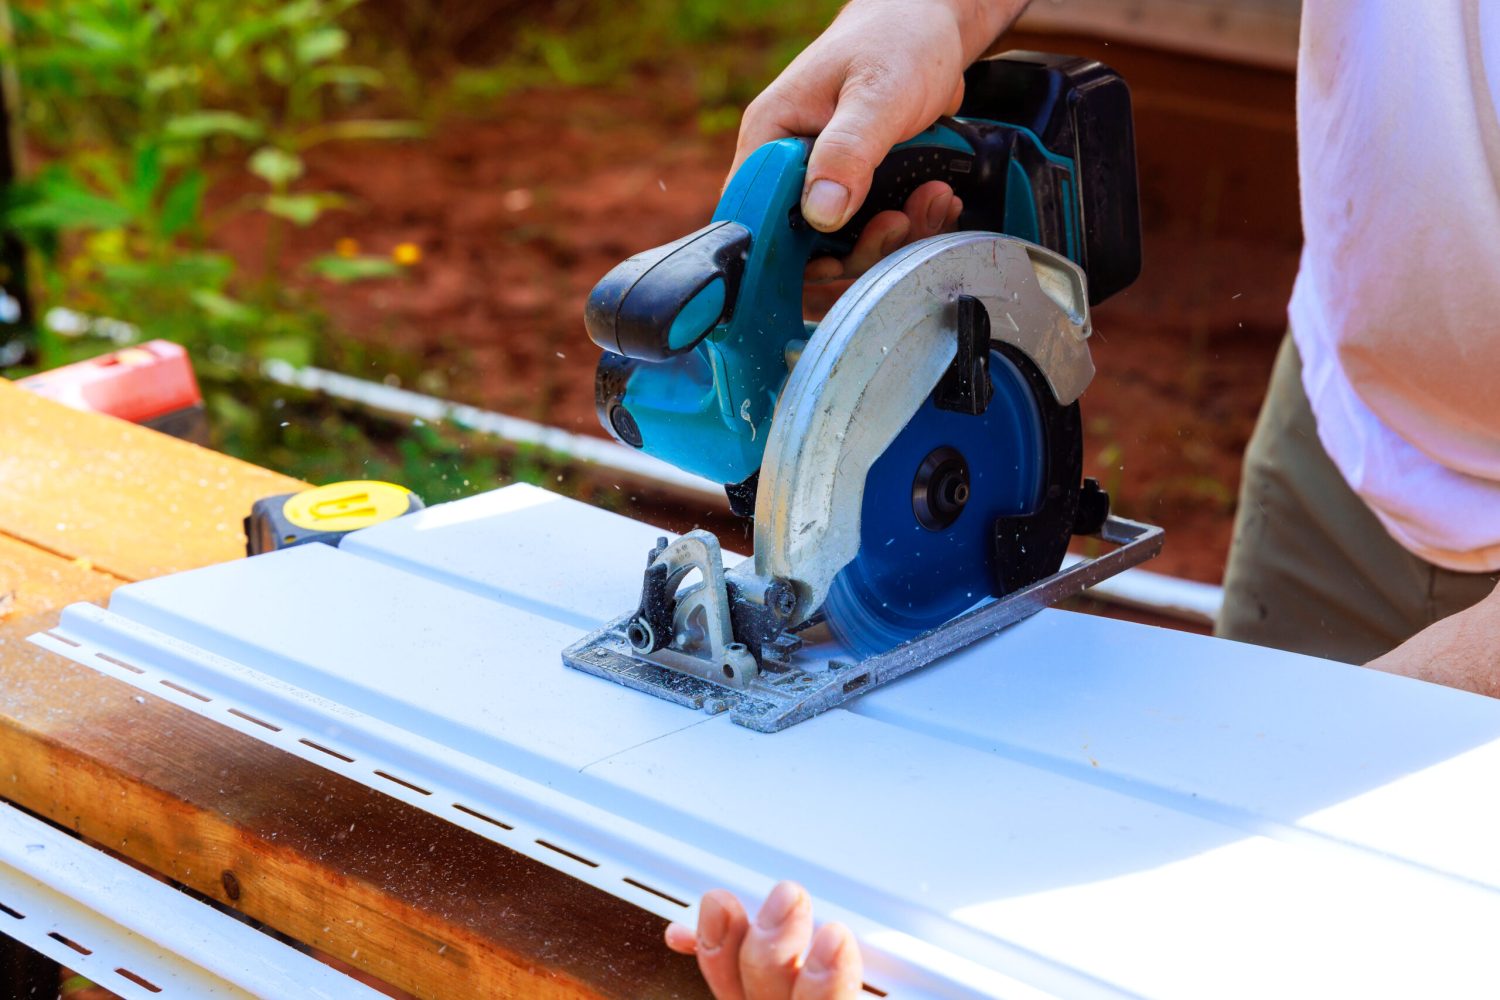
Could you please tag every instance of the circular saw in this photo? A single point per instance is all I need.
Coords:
(913, 463)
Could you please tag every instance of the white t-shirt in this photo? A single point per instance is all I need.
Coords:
(1396, 310)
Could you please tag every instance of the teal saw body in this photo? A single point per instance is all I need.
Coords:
(699, 335)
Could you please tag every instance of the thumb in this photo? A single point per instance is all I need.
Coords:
(865, 125)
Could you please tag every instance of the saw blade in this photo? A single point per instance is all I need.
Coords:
(930, 503)
(868, 370)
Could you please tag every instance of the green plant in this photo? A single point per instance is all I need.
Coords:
(155, 122)
(323, 441)
(141, 109)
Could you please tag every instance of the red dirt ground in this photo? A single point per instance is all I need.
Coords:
(519, 213)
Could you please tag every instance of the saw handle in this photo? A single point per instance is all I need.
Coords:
(662, 302)
(972, 158)
(1044, 150)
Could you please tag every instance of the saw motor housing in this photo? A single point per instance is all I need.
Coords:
(699, 334)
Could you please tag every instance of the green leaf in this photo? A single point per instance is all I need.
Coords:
(558, 57)
(197, 270)
(347, 76)
(221, 307)
(182, 274)
(292, 349)
(718, 121)
(246, 29)
(303, 11)
(103, 171)
(232, 415)
(99, 35)
(320, 45)
(302, 209)
(360, 130)
(167, 78)
(133, 274)
(349, 269)
(276, 167)
(277, 66)
(182, 204)
(203, 124)
(61, 203)
(228, 43)
(486, 84)
(147, 177)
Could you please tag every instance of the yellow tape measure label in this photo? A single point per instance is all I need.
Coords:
(347, 506)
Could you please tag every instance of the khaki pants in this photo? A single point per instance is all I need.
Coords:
(1311, 569)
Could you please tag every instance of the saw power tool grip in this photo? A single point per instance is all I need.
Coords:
(700, 334)
(1043, 149)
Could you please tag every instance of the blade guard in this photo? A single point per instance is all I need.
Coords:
(886, 344)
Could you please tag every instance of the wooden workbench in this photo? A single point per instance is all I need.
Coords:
(88, 503)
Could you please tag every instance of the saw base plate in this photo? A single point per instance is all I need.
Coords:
(823, 674)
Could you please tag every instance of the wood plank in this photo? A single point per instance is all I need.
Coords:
(417, 902)
(133, 502)
(34, 585)
(1259, 32)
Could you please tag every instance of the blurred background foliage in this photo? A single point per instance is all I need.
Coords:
(149, 124)
(134, 108)
(597, 44)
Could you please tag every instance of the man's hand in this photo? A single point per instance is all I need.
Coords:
(1461, 651)
(881, 73)
(763, 960)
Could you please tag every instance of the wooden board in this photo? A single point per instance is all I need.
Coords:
(316, 856)
(1260, 32)
(132, 502)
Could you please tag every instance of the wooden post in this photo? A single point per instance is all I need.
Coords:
(1259, 32)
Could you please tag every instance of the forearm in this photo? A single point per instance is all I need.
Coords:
(1461, 651)
(982, 22)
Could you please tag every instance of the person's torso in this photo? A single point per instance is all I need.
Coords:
(1397, 308)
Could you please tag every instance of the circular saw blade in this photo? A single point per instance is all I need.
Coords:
(931, 501)
(873, 364)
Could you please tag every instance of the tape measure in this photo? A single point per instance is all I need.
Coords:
(324, 514)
